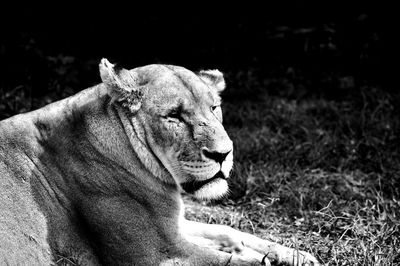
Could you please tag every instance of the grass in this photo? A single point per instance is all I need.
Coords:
(312, 171)
(315, 173)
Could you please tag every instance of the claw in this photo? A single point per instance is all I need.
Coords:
(263, 260)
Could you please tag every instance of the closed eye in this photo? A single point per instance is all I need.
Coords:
(174, 114)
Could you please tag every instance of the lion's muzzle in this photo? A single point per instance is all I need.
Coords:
(218, 156)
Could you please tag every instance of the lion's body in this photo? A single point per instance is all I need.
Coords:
(97, 177)
(57, 185)
(23, 228)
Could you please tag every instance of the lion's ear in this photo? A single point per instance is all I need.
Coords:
(213, 78)
(122, 85)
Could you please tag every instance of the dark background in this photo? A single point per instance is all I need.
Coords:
(325, 48)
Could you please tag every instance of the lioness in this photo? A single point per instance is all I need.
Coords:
(97, 177)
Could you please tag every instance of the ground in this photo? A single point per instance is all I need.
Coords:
(315, 169)
(314, 173)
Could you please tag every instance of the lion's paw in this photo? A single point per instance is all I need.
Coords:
(248, 261)
(292, 257)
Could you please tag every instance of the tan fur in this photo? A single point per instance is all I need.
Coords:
(97, 177)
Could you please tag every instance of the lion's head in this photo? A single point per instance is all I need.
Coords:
(177, 115)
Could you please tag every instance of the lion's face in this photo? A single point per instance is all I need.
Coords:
(182, 120)
(186, 125)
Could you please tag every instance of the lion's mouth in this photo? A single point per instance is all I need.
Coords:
(193, 186)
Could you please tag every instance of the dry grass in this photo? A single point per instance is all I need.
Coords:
(322, 175)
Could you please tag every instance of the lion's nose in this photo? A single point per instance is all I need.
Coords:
(217, 156)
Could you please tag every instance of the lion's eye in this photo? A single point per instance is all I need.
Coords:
(175, 115)
(214, 107)
(216, 110)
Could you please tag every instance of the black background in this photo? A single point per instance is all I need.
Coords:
(324, 40)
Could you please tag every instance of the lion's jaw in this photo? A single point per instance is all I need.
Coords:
(175, 118)
(205, 178)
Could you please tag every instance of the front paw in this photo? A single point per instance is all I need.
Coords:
(288, 256)
(245, 260)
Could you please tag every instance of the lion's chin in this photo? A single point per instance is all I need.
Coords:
(213, 190)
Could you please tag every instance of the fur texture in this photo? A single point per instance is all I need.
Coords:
(97, 177)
